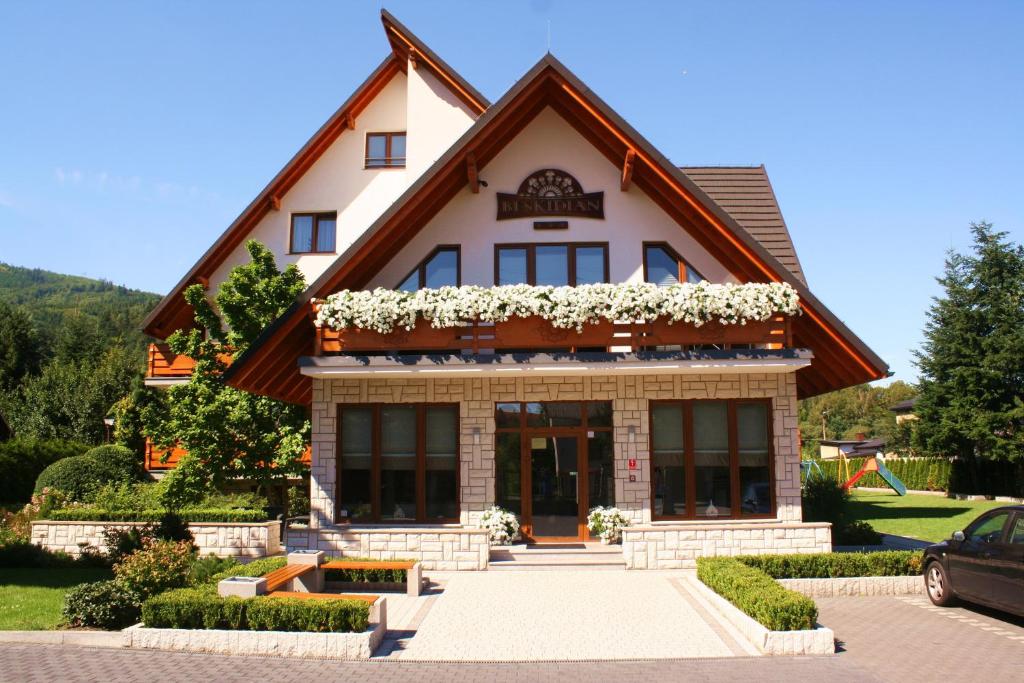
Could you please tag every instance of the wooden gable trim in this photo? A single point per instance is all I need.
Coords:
(410, 49)
(173, 313)
(550, 84)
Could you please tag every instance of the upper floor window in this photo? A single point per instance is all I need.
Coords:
(439, 269)
(663, 266)
(313, 233)
(385, 150)
(550, 264)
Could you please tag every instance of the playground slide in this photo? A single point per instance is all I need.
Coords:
(891, 479)
(855, 478)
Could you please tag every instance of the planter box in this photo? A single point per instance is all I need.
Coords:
(226, 539)
(351, 646)
(818, 641)
(860, 585)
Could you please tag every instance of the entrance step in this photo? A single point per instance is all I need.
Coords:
(551, 556)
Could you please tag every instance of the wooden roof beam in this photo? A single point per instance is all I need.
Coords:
(472, 174)
(627, 169)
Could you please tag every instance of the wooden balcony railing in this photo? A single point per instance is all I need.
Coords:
(163, 363)
(154, 457)
(535, 333)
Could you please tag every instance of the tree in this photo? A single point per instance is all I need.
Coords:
(972, 359)
(20, 352)
(227, 432)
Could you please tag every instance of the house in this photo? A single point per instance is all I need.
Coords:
(861, 447)
(416, 183)
(904, 410)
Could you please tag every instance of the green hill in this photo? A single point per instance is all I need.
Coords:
(77, 310)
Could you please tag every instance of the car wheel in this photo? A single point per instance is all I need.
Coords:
(936, 584)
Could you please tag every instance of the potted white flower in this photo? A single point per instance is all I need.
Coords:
(607, 523)
(502, 526)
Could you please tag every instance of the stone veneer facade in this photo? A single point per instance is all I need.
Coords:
(663, 544)
(242, 540)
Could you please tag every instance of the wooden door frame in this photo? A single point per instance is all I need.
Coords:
(526, 481)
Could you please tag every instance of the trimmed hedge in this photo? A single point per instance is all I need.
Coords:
(72, 476)
(757, 594)
(116, 463)
(836, 565)
(918, 474)
(200, 609)
(195, 515)
(365, 575)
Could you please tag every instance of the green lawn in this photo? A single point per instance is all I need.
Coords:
(929, 518)
(31, 599)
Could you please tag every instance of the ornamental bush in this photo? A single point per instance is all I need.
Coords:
(74, 476)
(160, 566)
(502, 526)
(757, 594)
(837, 565)
(115, 463)
(196, 608)
(103, 604)
(382, 310)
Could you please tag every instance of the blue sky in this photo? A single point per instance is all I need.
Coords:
(134, 133)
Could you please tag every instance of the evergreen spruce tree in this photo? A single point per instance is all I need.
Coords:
(972, 360)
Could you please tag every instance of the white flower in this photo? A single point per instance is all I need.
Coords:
(502, 526)
(384, 310)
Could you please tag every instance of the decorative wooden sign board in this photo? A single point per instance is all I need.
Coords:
(550, 192)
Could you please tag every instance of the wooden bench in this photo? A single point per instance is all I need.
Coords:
(283, 576)
(413, 570)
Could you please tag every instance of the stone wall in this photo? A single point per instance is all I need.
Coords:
(679, 545)
(630, 396)
(244, 540)
(439, 548)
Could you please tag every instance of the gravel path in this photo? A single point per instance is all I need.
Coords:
(560, 616)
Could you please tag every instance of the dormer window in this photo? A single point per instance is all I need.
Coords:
(385, 150)
(663, 266)
(439, 269)
(313, 233)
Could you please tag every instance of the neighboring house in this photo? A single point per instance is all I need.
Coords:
(860, 447)
(904, 410)
(418, 181)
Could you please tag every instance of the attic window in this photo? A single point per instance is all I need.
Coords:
(385, 150)
(439, 269)
(313, 233)
(663, 266)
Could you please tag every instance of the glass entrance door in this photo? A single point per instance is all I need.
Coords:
(555, 465)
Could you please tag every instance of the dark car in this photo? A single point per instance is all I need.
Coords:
(984, 563)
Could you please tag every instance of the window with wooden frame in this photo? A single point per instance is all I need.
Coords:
(573, 263)
(313, 233)
(441, 268)
(398, 462)
(663, 266)
(712, 459)
(385, 150)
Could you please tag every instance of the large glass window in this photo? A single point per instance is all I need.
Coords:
(711, 459)
(663, 266)
(551, 264)
(398, 463)
(439, 269)
(313, 233)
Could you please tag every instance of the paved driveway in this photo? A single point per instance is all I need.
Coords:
(565, 615)
(909, 639)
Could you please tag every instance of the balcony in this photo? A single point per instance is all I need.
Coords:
(754, 325)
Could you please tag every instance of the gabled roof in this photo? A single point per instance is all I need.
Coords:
(747, 194)
(841, 359)
(173, 313)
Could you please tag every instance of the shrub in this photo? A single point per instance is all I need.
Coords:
(254, 568)
(205, 568)
(857, 532)
(74, 476)
(824, 500)
(116, 463)
(89, 514)
(757, 594)
(22, 553)
(201, 609)
(122, 542)
(172, 527)
(103, 604)
(835, 565)
(160, 566)
(22, 460)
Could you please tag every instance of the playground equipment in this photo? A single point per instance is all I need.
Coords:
(874, 463)
(808, 468)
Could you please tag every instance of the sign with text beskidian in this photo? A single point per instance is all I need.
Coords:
(550, 192)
